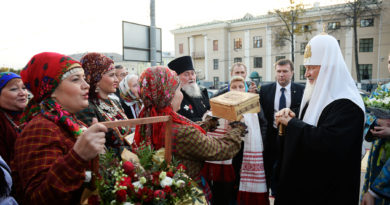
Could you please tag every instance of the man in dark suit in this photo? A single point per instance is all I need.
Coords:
(195, 99)
(273, 97)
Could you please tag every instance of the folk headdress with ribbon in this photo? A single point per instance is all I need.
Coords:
(95, 65)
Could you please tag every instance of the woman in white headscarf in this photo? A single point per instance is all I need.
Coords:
(129, 92)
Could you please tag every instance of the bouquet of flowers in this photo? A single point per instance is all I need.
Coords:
(148, 181)
(378, 103)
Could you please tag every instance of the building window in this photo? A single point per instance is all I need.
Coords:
(365, 71)
(333, 25)
(306, 28)
(257, 62)
(181, 50)
(216, 82)
(237, 60)
(215, 63)
(302, 71)
(366, 44)
(215, 45)
(303, 46)
(237, 43)
(257, 42)
(279, 57)
(366, 22)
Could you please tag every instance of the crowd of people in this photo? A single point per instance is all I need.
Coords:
(303, 147)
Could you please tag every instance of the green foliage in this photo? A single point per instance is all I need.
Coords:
(380, 98)
(145, 155)
(5, 69)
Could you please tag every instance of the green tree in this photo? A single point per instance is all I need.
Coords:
(290, 17)
(6, 69)
(355, 10)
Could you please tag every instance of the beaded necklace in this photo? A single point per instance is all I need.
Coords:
(111, 112)
(17, 128)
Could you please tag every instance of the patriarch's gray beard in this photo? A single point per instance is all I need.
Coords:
(192, 90)
(308, 92)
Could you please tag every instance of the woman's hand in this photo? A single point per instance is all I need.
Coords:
(91, 142)
(284, 116)
(381, 132)
(252, 88)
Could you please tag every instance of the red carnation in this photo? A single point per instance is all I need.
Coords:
(159, 194)
(170, 174)
(121, 195)
(145, 194)
(167, 189)
(181, 167)
(93, 200)
(125, 181)
(128, 167)
(156, 178)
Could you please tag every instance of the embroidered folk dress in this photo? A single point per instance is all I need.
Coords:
(42, 153)
(107, 110)
(377, 176)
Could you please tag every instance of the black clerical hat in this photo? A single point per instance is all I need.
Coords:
(181, 64)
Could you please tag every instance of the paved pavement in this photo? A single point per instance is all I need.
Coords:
(363, 172)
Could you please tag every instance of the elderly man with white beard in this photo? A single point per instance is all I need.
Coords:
(195, 100)
(322, 147)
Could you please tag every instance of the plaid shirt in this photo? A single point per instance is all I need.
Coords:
(50, 171)
(192, 147)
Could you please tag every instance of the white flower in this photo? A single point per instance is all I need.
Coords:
(179, 183)
(167, 181)
(128, 203)
(137, 185)
(142, 180)
(162, 175)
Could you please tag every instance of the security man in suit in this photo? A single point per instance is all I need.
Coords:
(274, 97)
(195, 100)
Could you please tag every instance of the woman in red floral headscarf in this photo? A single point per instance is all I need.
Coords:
(160, 92)
(55, 150)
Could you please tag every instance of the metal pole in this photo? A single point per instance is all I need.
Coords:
(152, 34)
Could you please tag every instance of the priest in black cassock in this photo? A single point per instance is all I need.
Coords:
(322, 147)
(195, 100)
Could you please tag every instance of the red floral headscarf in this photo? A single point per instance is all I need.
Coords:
(95, 65)
(157, 89)
(41, 76)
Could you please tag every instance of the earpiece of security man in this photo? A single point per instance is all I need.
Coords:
(321, 150)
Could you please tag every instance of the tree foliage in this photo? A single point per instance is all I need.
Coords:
(355, 10)
(5, 69)
(290, 16)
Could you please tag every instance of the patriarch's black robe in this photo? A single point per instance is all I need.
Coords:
(321, 164)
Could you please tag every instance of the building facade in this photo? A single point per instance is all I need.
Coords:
(216, 45)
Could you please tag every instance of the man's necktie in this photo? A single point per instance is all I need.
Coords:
(282, 100)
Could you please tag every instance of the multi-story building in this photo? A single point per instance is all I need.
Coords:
(216, 45)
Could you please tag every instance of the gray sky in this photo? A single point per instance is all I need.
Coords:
(76, 26)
